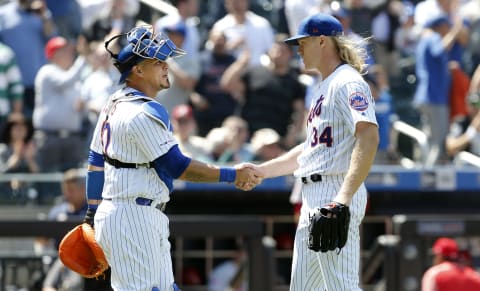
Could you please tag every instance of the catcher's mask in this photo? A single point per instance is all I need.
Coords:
(143, 44)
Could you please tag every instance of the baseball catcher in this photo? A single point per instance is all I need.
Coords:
(80, 252)
(328, 229)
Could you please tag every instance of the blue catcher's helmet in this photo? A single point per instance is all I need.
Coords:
(143, 44)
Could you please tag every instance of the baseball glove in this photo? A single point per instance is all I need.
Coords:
(80, 252)
(328, 228)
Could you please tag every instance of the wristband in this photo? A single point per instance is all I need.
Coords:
(471, 133)
(94, 187)
(227, 175)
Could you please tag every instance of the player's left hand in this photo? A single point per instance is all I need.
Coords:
(328, 228)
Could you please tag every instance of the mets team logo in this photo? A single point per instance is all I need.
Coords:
(358, 101)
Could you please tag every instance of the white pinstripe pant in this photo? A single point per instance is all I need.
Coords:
(135, 241)
(327, 271)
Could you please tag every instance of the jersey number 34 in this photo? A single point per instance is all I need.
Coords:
(325, 137)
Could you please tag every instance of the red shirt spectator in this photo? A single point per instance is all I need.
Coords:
(446, 274)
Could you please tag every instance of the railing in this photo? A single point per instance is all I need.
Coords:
(261, 265)
(400, 127)
(465, 158)
(160, 6)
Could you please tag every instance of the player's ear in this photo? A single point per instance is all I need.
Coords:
(321, 40)
(138, 70)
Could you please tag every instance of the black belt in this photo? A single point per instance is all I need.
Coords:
(118, 164)
(145, 202)
(312, 179)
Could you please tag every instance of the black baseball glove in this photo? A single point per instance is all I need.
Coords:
(328, 229)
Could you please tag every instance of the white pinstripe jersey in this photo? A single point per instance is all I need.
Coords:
(338, 103)
(131, 136)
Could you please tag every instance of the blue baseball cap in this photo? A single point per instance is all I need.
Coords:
(437, 20)
(316, 25)
(176, 27)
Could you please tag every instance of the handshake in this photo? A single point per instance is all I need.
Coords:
(248, 176)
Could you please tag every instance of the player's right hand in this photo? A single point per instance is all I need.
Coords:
(248, 176)
(89, 216)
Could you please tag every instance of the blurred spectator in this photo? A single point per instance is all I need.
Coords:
(236, 136)
(464, 131)
(72, 207)
(343, 14)
(362, 13)
(297, 10)
(211, 104)
(231, 274)
(217, 141)
(184, 128)
(406, 36)
(183, 72)
(272, 95)
(377, 80)
(18, 152)
(446, 274)
(66, 15)
(465, 258)
(25, 26)
(113, 21)
(385, 22)
(96, 10)
(11, 87)
(458, 91)
(191, 276)
(433, 83)
(475, 82)
(73, 204)
(58, 112)
(245, 31)
(339, 11)
(427, 10)
(100, 83)
(186, 12)
(17, 155)
(266, 144)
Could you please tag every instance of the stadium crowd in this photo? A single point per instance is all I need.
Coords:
(240, 94)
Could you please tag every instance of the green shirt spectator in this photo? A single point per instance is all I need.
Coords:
(11, 88)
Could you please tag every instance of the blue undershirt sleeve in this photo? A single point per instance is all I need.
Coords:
(172, 163)
(95, 159)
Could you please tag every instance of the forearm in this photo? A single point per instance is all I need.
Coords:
(232, 74)
(48, 25)
(362, 158)
(454, 145)
(200, 172)
(181, 78)
(93, 186)
(286, 164)
(33, 166)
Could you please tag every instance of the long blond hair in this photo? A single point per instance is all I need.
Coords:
(352, 52)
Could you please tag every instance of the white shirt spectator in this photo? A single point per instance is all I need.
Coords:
(297, 10)
(256, 32)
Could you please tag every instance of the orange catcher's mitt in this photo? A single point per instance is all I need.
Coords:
(80, 252)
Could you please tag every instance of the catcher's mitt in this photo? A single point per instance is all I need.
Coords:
(328, 229)
(80, 252)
